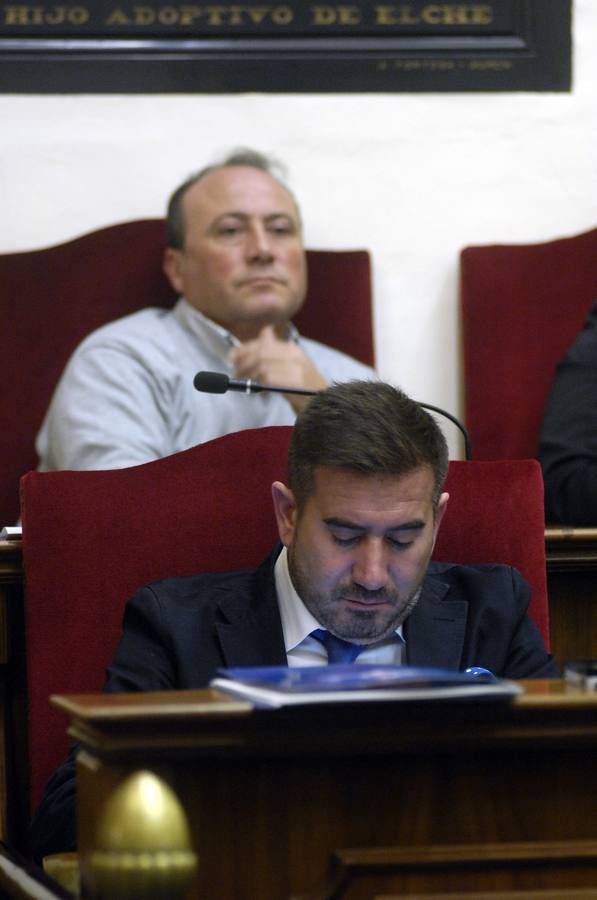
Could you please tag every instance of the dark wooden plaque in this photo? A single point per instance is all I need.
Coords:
(158, 46)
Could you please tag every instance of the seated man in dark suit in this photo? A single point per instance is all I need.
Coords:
(357, 523)
(568, 440)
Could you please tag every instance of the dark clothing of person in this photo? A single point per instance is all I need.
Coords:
(568, 439)
(179, 631)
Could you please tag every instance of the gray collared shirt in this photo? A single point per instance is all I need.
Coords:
(126, 395)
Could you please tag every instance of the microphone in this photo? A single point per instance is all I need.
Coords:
(220, 383)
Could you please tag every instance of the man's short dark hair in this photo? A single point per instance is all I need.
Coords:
(175, 226)
(368, 427)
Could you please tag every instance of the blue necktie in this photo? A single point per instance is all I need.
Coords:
(338, 651)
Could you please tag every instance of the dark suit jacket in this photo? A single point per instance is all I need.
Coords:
(568, 439)
(177, 632)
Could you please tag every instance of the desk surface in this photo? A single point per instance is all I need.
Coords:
(11, 561)
(124, 724)
(541, 712)
(538, 696)
(570, 549)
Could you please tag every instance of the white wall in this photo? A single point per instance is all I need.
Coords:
(413, 177)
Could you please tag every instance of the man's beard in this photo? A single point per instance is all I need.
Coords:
(359, 625)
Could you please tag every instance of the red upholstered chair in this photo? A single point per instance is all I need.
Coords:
(495, 514)
(51, 298)
(522, 306)
(92, 538)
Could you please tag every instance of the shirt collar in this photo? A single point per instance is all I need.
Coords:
(219, 339)
(297, 621)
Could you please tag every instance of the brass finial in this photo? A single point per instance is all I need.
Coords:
(143, 846)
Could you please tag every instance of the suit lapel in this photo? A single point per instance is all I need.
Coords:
(251, 634)
(258, 643)
(435, 629)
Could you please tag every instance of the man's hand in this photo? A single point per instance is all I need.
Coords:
(270, 360)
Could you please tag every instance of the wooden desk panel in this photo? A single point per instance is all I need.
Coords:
(11, 588)
(571, 555)
(347, 802)
(12, 692)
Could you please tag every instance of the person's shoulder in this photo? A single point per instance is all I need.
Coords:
(479, 583)
(439, 566)
(584, 346)
(189, 590)
(137, 325)
(473, 572)
(230, 589)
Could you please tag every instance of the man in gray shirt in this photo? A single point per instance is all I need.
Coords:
(236, 257)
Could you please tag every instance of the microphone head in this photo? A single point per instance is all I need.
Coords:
(211, 382)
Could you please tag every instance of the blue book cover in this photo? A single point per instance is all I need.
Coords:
(281, 685)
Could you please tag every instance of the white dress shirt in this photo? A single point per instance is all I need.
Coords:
(298, 623)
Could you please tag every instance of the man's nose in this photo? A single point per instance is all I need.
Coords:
(370, 568)
(259, 246)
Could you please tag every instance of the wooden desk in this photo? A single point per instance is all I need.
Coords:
(347, 802)
(572, 588)
(13, 777)
(572, 581)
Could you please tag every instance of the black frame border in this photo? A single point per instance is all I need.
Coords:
(536, 57)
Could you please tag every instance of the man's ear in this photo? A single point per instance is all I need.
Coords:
(171, 266)
(440, 509)
(285, 510)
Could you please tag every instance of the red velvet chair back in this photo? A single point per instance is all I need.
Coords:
(495, 514)
(522, 307)
(51, 298)
(92, 538)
